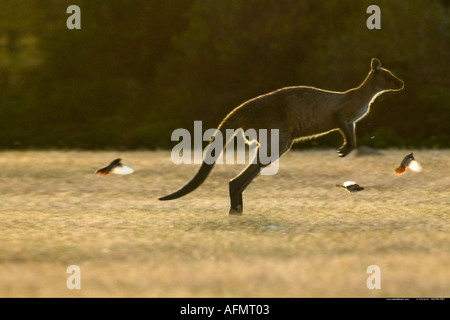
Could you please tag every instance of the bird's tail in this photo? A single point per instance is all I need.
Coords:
(400, 170)
(206, 167)
(103, 171)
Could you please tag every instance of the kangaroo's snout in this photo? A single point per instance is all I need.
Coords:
(400, 84)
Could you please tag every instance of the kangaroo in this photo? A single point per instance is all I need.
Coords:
(298, 112)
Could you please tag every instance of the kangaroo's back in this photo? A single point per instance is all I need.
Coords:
(296, 108)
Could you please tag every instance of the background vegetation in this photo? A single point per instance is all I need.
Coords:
(137, 70)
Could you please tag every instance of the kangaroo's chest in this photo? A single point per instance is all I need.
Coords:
(359, 113)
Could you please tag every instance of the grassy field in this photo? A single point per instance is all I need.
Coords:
(299, 236)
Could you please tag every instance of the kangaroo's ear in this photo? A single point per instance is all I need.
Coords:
(375, 65)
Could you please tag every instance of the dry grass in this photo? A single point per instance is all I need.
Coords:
(300, 236)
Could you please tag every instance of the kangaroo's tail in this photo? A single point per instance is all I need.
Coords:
(206, 167)
(198, 179)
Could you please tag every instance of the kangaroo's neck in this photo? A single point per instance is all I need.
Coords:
(357, 101)
(366, 92)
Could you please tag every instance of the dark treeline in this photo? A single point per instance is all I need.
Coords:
(137, 70)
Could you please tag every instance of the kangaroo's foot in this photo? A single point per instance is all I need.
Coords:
(344, 150)
(237, 211)
(236, 207)
(236, 204)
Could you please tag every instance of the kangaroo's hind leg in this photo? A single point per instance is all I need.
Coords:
(239, 183)
(236, 186)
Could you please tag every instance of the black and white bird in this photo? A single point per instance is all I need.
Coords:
(116, 167)
(350, 186)
(408, 162)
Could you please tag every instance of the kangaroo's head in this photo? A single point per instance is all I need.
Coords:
(383, 79)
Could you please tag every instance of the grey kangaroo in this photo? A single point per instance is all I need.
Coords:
(298, 113)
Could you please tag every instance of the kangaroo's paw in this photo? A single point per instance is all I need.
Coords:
(344, 150)
(236, 211)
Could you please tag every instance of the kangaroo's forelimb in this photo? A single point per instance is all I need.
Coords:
(348, 132)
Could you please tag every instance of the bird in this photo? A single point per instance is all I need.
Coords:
(116, 167)
(408, 162)
(350, 186)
